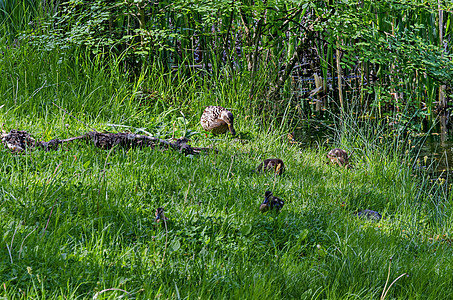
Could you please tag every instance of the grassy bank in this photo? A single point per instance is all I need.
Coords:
(79, 222)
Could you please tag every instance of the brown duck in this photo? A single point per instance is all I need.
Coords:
(271, 202)
(338, 156)
(217, 120)
(272, 164)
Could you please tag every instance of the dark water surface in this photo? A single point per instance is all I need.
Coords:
(436, 156)
(433, 153)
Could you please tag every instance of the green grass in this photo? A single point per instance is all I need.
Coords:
(79, 222)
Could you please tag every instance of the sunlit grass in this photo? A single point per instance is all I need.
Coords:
(79, 222)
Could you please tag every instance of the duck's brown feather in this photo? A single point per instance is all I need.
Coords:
(274, 164)
(211, 120)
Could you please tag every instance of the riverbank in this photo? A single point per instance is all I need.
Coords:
(79, 222)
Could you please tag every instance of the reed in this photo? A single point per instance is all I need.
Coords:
(395, 54)
(79, 222)
(90, 212)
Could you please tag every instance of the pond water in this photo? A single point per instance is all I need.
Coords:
(436, 156)
(434, 153)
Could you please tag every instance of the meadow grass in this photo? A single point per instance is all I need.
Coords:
(79, 222)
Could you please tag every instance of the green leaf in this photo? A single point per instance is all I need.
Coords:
(302, 236)
(86, 164)
(246, 229)
(176, 245)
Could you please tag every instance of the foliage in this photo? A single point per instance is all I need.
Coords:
(398, 52)
(79, 222)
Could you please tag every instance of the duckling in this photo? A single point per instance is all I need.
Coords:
(160, 216)
(338, 156)
(275, 164)
(291, 138)
(270, 202)
(217, 120)
(369, 214)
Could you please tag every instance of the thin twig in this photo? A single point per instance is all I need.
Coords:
(17, 90)
(387, 281)
(74, 138)
(393, 283)
(386, 290)
(37, 90)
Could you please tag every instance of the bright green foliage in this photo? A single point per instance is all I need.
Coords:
(79, 222)
(399, 51)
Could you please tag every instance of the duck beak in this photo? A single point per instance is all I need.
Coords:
(158, 216)
(265, 205)
(233, 132)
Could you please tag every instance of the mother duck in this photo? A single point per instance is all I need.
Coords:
(217, 120)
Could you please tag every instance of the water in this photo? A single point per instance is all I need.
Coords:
(314, 134)
(433, 153)
(436, 156)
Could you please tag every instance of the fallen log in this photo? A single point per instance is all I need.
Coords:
(18, 141)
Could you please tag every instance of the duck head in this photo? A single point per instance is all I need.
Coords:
(271, 202)
(160, 216)
(228, 117)
(266, 205)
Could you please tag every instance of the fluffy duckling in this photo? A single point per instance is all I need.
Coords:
(160, 216)
(270, 202)
(217, 120)
(274, 164)
(338, 156)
